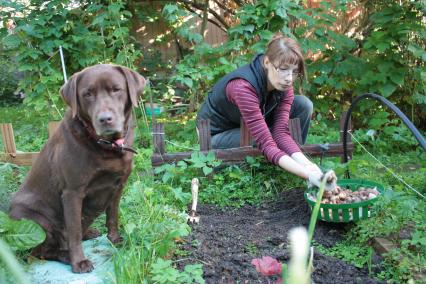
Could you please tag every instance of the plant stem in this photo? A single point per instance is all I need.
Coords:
(12, 264)
(316, 208)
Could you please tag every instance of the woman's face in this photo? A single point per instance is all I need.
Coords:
(280, 77)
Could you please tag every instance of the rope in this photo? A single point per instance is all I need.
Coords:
(389, 170)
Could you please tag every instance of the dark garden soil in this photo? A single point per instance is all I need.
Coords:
(226, 242)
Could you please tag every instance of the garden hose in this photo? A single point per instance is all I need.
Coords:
(408, 123)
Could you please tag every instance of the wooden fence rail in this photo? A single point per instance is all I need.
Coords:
(11, 154)
(160, 156)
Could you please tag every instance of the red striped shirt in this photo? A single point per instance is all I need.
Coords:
(273, 145)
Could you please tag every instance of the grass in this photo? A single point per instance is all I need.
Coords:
(152, 212)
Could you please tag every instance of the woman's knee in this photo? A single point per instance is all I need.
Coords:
(309, 105)
(226, 139)
(305, 104)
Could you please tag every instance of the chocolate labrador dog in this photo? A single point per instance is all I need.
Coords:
(83, 167)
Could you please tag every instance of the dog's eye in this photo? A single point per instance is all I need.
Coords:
(87, 94)
(116, 89)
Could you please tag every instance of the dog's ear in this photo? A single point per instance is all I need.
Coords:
(69, 93)
(135, 84)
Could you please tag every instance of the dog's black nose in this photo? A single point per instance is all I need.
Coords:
(105, 117)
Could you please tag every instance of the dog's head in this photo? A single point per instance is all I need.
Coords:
(103, 95)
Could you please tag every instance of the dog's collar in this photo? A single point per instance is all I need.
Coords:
(118, 145)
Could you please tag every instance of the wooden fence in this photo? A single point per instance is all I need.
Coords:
(11, 154)
(160, 156)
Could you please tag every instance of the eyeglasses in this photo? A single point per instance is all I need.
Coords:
(284, 72)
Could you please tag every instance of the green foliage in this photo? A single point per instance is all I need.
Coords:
(205, 162)
(90, 33)
(10, 178)
(173, 172)
(179, 19)
(398, 210)
(226, 186)
(206, 64)
(383, 52)
(163, 272)
(10, 269)
(250, 183)
(8, 81)
(20, 235)
(382, 132)
(30, 127)
(359, 256)
(252, 249)
(152, 219)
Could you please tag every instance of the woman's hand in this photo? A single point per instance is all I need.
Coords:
(315, 179)
(308, 165)
(313, 168)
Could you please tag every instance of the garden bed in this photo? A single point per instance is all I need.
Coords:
(226, 241)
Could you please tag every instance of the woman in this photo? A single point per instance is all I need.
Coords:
(261, 92)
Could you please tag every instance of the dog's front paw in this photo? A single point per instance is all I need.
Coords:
(83, 266)
(115, 238)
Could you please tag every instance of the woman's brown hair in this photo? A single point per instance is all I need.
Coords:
(283, 50)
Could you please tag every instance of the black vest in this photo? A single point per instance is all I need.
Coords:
(223, 114)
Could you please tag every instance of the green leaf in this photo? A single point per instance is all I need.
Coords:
(99, 20)
(210, 156)
(182, 164)
(241, 29)
(170, 8)
(416, 50)
(250, 160)
(419, 98)
(382, 46)
(164, 272)
(121, 58)
(207, 170)
(187, 81)
(180, 195)
(4, 222)
(397, 77)
(167, 176)
(192, 273)
(11, 41)
(387, 89)
(24, 234)
(114, 8)
(281, 11)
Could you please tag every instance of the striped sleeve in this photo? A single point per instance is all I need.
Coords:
(241, 93)
(280, 130)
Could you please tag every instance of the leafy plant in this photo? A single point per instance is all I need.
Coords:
(13, 267)
(89, 33)
(359, 256)
(251, 183)
(205, 162)
(8, 81)
(197, 161)
(20, 235)
(163, 272)
(380, 49)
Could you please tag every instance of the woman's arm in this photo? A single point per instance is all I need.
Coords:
(291, 166)
(280, 129)
(241, 93)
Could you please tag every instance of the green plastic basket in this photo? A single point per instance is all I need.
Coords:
(343, 213)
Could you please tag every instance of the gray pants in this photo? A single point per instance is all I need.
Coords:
(302, 108)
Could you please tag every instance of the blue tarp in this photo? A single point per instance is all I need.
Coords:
(98, 250)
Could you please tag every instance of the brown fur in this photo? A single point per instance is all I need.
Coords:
(74, 179)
